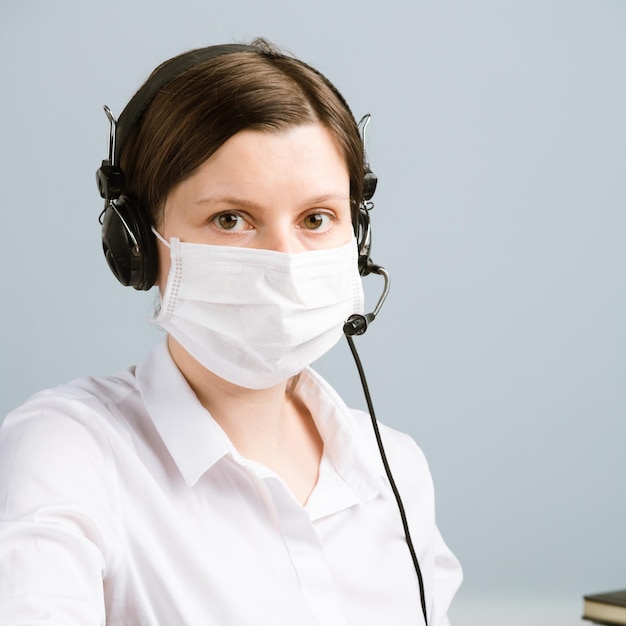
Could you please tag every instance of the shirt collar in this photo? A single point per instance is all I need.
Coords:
(346, 445)
(196, 442)
(190, 434)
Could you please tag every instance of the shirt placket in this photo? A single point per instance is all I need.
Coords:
(306, 554)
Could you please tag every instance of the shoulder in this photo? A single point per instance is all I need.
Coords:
(396, 442)
(71, 426)
(345, 426)
(76, 400)
(59, 468)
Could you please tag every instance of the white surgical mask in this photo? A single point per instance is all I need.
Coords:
(256, 317)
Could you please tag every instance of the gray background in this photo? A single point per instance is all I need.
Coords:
(499, 139)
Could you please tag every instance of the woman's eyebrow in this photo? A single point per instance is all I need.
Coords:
(251, 204)
(231, 200)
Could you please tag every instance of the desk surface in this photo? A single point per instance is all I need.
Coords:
(519, 611)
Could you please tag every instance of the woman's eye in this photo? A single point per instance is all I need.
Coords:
(317, 221)
(229, 221)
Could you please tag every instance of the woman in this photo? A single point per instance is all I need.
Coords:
(222, 481)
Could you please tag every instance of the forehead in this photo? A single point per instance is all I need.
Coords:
(305, 158)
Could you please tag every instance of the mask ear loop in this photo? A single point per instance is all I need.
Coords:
(160, 237)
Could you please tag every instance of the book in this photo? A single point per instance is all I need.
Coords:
(606, 608)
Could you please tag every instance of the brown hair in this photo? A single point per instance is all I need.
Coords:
(201, 109)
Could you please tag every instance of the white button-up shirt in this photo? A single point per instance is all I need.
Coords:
(123, 502)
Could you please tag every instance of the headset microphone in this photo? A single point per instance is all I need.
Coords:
(357, 324)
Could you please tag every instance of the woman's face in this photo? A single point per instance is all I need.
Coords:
(287, 191)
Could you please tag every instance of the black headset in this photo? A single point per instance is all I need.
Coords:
(127, 239)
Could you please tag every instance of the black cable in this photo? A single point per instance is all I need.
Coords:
(392, 482)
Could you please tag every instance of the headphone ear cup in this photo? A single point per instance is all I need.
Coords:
(370, 180)
(129, 245)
